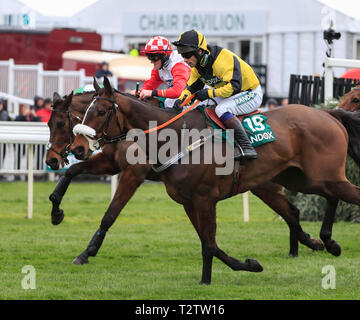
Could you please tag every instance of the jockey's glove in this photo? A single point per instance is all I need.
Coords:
(177, 105)
(202, 94)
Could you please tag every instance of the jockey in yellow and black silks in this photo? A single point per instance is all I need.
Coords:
(229, 80)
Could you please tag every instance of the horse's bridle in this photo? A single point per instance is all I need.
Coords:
(64, 152)
(92, 135)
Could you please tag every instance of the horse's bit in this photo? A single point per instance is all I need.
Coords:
(64, 152)
(91, 134)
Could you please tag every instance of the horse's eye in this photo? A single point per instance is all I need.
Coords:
(60, 124)
(101, 113)
(355, 100)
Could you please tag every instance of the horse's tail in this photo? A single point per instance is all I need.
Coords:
(351, 122)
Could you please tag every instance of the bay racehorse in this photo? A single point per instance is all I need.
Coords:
(308, 156)
(351, 100)
(69, 111)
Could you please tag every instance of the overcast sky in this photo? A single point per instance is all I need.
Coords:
(70, 7)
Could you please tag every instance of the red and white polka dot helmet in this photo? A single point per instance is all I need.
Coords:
(158, 44)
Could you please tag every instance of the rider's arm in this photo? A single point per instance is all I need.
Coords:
(193, 84)
(227, 68)
(154, 82)
(180, 73)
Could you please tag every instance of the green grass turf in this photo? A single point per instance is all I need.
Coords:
(153, 252)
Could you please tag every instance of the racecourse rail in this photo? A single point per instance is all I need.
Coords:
(33, 134)
(335, 63)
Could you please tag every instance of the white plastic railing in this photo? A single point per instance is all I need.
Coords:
(331, 63)
(31, 134)
(21, 83)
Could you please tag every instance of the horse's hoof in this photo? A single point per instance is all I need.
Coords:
(80, 260)
(333, 247)
(318, 245)
(293, 255)
(253, 265)
(57, 217)
(203, 282)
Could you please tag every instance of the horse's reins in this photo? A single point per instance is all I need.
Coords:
(193, 106)
(64, 152)
(91, 134)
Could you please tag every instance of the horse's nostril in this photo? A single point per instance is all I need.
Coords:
(53, 161)
(78, 152)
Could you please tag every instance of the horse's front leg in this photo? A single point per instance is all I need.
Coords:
(202, 214)
(97, 165)
(128, 183)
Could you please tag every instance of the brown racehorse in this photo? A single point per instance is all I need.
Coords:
(308, 156)
(351, 100)
(69, 111)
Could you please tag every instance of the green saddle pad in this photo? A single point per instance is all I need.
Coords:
(258, 131)
(162, 102)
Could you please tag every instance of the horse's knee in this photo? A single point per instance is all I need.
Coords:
(208, 251)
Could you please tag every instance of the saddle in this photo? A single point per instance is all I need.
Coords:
(211, 114)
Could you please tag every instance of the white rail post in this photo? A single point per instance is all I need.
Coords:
(82, 78)
(11, 77)
(328, 90)
(61, 82)
(30, 181)
(40, 77)
(246, 206)
(114, 181)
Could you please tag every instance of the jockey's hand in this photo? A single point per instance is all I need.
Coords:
(177, 105)
(145, 94)
(201, 95)
(133, 92)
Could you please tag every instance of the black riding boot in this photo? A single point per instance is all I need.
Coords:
(247, 152)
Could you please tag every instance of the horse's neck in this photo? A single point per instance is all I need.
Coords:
(139, 115)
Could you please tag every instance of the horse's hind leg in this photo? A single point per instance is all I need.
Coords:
(342, 190)
(326, 229)
(273, 196)
(127, 186)
(203, 219)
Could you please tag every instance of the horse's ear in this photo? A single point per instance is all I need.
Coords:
(68, 99)
(108, 88)
(56, 97)
(96, 85)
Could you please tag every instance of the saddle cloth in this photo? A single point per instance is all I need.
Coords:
(254, 123)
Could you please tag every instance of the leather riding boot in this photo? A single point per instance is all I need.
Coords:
(247, 152)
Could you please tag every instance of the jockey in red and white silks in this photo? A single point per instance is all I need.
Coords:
(169, 69)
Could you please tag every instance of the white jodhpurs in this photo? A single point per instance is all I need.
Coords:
(241, 103)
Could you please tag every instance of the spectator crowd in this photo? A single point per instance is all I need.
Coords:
(40, 111)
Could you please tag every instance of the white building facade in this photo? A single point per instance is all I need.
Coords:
(284, 35)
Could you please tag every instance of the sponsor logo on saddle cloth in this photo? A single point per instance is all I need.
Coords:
(258, 131)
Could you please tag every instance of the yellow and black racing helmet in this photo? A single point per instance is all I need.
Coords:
(189, 41)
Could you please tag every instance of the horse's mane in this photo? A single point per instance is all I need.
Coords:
(167, 110)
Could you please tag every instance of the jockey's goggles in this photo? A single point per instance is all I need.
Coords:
(188, 55)
(154, 56)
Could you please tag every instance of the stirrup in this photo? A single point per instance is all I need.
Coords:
(239, 155)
